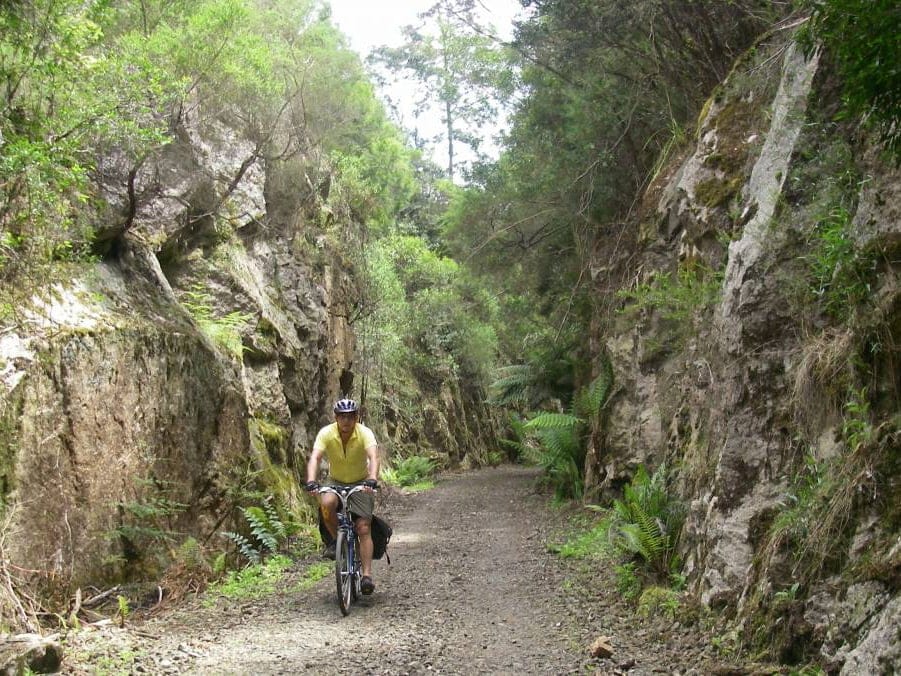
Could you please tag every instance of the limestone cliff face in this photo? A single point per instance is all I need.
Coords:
(738, 378)
(196, 361)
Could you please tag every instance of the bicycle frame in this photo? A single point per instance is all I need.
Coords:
(348, 571)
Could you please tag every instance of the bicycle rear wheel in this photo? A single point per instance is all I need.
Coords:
(343, 572)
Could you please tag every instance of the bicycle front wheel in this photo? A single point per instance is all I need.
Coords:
(343, 571)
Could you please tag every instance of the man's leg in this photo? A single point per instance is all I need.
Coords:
(329, 507)
(364, 534)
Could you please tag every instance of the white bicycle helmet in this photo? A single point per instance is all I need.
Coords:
(345, 406)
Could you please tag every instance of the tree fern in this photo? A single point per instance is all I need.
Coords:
(559, 452)
(512, 385)
(547, 420)
(591, 399)
(517, 441)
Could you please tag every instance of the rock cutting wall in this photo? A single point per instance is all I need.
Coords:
(712, 389)
(127, 425)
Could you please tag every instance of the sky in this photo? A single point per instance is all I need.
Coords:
(373, 23)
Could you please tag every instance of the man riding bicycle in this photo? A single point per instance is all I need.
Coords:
(352, 453)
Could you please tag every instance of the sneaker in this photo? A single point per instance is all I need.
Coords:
(366, 585)
(329, 552)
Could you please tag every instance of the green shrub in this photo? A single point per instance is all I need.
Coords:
(409, 472)
(676, 296)
(862, 38)
(659, 601)
(628, 583)
(649, 523)
(841, 272)
(589, 544)
(253, 582)
(267, 532)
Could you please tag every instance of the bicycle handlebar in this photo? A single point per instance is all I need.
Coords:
(346, 493)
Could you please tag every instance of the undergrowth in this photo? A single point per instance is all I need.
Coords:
(557, 442)
(268, 531)
(809, 538)
(675, 296)
(414, 473)
(225, 331)
(253, 582)
(637, 538)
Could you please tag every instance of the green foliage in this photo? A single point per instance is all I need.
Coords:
(559, 451)
(123, 610)
(862, 38)
(253, 582)
(425, 321)
(190, 557)
(607, 87)
(590, 400)
(649, 523)
(267, 532)
(628, 582)
(64, 97)
(557, 442)
(415, 470)
(817, 510)
(786, 596)
(675, 296)
(593, 543)
(225, 331)
(146, 523)
(659, 601)
(841, 272)
(91, 80)
(313, 574)
(545, 375)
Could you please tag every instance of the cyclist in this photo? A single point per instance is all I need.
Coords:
(352, 453)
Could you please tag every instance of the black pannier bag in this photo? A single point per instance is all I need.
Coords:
(381, 535)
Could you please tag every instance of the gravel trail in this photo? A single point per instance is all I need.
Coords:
(471, 589)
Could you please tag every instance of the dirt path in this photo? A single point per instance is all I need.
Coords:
(471, 589)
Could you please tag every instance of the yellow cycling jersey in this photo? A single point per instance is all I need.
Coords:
(347, 464)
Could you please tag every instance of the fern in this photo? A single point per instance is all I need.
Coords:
(562, 438)
(275, 522)
(591, 399)
(519, 435)
(259, 527)
(248, 551)
(649, 522)
(547, 420)
(559, 452)
(513, 385)
(267, 529)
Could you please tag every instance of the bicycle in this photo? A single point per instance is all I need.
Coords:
(348, 566)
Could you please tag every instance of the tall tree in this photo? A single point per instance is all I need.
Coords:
(463, 70)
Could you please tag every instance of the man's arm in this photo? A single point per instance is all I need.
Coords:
(313, 464)
(372, 456)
